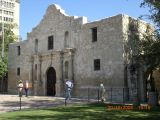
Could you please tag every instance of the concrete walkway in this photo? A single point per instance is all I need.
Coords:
(12, 102)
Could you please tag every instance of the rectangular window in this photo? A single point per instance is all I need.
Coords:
(18, 50)
(97, 64)
(50, 42)
(18, 71)
(94, 34)
(35, 66)
(36, 45)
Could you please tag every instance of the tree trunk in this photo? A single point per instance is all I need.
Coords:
(149, 79)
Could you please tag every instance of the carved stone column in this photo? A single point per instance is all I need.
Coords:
(72, 65)
(35, 72)
(72, 70)
(31, 74)
(35, 87)
(62, 73)
(39, 79)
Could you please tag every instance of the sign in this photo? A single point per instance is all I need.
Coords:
(29, 85)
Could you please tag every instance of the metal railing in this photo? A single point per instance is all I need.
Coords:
(112, 94)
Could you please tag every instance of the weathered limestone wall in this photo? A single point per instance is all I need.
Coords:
(108, 48)
(54, 23)
(15, 62)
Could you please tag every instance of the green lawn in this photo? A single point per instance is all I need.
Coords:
(82, 112)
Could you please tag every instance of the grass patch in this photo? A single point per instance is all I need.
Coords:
(81, 112)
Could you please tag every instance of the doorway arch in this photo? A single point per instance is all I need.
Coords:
(51, 82)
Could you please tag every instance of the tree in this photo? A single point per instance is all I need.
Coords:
(154, 6)
(151, 42)
(151, 55)
(9, 37)
(3, 67)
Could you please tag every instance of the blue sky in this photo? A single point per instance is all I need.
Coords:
(32, 11)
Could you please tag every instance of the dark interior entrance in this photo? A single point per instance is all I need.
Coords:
(51, 82)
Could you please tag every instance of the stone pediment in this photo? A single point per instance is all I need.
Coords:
(55, 17)
(55, 8)
(54, 14)
(53, 11)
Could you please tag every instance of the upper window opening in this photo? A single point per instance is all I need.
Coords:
(94, 34)
(36, 45)
(50, 42)
(18, 71)
(66, 39)
(18, 50)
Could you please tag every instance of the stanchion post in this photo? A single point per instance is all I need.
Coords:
(65, 99)
(65, 102)
(88, 94)
(123, 96)
(111, 94)
(20, 101)
(98, 95)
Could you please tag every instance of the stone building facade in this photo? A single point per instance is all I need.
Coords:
(67, 47)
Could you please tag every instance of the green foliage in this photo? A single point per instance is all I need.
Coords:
(9, 37)
(3, 67)
(151, 48)
(151, 56)
(151, 42)
(154, 6)
(144, 48)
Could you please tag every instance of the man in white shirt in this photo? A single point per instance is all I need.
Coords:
(69, 86)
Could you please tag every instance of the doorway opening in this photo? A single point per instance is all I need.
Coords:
(51, 82)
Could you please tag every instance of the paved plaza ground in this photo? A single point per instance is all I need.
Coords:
(12, 102)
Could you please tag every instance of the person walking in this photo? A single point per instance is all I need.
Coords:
(102, 92)
(26, 88)
(69, 86)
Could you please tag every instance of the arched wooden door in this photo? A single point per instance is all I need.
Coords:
(51, 82)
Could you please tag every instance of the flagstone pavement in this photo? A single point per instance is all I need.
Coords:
(12, 102)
